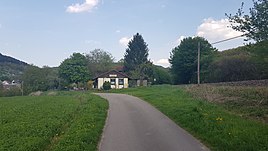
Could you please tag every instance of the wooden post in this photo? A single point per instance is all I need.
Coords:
(21, 88)
(198, 65)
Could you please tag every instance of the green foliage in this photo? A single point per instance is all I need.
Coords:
(161, 75)
(11, 68)
(243, 63)
(67, 121)
(183, 59)
(39, 79)
(136, 54)
(217, 128)
(99, 61)
(254, 25)
(13, 91)
(259, 55)
(74, 69)
(232, 66)
(143, 71)
(106, 85)
(10, 71)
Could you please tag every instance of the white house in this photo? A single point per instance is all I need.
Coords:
(117, 79)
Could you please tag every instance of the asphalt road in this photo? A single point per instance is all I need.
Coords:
(134, 125)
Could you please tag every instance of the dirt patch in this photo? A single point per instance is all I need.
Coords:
(52, 93)
(37, 93)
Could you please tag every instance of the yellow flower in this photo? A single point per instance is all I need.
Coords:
(219, 119)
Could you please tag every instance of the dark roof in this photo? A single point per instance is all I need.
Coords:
(112, 72)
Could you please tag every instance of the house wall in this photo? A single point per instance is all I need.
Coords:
(116, 86)
(125, 82)
(101, 81)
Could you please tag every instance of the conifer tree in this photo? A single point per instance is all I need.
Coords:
(136, 53)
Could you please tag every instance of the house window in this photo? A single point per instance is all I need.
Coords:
(112, 81)
(121, 81)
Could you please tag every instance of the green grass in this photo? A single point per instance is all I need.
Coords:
(212, 124)
(247, 101)
(67, 121)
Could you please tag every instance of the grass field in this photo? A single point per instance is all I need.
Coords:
(246, 101)
(215, 126)
(68, 121)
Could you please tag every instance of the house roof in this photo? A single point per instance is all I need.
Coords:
(112, 73)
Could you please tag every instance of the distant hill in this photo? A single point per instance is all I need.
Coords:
(11, 68)
(8, 59)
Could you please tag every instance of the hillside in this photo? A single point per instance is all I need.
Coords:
(11, 68)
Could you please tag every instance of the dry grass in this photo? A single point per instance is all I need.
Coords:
(247, 101)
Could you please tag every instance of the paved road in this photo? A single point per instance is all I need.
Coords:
(134, 125)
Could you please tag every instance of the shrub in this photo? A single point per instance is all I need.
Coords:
(13, 91)
(90, 84)
(106, 85)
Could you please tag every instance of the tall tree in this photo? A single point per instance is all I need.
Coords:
(74, 69)
(183, 59)
(254, 25)
(99, 61)
(136, 53)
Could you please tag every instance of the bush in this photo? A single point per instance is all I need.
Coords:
(106, 85)
(14, 91)
(90, 84)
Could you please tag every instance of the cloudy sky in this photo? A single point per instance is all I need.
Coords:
(46, 32)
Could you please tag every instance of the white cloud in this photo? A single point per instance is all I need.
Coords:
(215, 30)
(124, 41)
(87, 6)
(178, 41)
(118, 31)
(162, 62)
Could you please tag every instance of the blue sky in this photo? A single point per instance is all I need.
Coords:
(47, 32)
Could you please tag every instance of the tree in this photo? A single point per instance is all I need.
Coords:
(99, 61)
(243, 63)
(254, 25)
(161, 75)
(39, 79)
(74, 69)
(183, 59)
(136, 53)
(143, 71)
(233, 68)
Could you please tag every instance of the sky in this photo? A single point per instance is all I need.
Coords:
(44, 33)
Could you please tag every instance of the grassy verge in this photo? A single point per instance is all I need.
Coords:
(67, 121)
(246, 101)
(212, 124)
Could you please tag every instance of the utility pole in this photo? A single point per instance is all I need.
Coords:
(21, 88)
(198, 65)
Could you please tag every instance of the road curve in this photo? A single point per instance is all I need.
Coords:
(134, 125)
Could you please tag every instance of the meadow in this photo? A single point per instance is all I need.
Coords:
(66, 121)
(217, 127)
(245, 101)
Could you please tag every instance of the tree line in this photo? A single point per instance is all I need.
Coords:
(244, 63)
